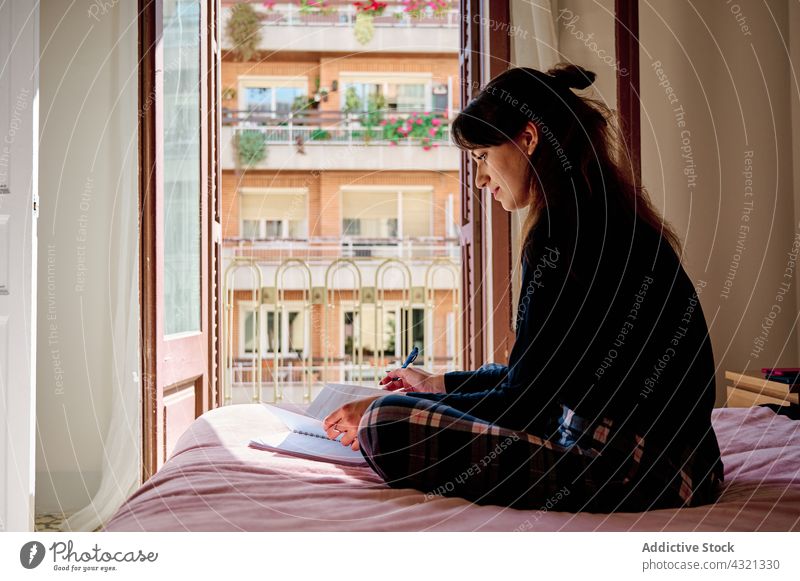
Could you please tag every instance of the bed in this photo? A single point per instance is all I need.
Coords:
(214, 482)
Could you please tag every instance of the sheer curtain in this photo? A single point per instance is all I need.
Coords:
(534, 45)
(121, 461)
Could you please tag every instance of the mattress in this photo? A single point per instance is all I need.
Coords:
(214, 482)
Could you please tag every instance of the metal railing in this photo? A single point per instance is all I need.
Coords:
(322, 127)
(343, 14)
(325, 248)
(331, 360)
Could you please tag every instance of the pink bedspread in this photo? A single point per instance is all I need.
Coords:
(214, 482)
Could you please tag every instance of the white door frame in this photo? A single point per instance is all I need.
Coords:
(19, 138)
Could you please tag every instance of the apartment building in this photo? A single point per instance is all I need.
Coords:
(340, 193)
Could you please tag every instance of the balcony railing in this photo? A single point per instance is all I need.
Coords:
(343, 14)
(325, 248)
(323, 127)
(265, 272)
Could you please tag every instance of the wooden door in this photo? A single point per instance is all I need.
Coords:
(487, 327)
(179, 249)
(19, 136)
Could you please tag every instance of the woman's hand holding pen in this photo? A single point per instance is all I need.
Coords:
(413, 379)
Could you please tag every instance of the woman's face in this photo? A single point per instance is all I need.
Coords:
(504, 169)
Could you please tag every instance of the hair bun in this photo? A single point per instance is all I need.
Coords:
(573, 76)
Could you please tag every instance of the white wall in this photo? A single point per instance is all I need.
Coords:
(734, 86)
(87, 238)
(734, 81)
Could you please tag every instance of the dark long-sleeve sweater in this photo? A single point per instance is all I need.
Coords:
(613, 329)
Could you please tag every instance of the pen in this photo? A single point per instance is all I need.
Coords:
(411, 357)
(409, 360)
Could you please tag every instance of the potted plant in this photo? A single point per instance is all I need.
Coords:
(376, 106)
(364, 29)
(244, 30)
(228, 93)
(251, 146)
(315, 7)
(417, 8)
(423, 128)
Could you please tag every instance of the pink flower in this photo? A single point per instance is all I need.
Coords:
(432, 131)
(436, 121)
(419, 121)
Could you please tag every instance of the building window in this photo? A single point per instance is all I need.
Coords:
(440, 100)
(284, 334)
(273, 213)
(401, 93)
(272, 96)
(385, 213)
(396, 341)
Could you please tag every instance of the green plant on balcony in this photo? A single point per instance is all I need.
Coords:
(364, 29)
(376, 106)
(304, 103)
(372, 8)
(244, 30)
(251, 146)
(352, 102)
(417, 8)
(320, 135)
(422, 128)
(315, 7)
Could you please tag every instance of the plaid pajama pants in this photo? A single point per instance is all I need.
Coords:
(427, 445)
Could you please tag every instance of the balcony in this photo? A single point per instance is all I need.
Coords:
(286, 27)
(329, 140)
(375, 275)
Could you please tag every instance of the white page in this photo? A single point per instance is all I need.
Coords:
(297, 422)
(335, 395)
(315, 447)
(309, 447)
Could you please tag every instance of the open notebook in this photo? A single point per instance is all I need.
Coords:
(304, 435)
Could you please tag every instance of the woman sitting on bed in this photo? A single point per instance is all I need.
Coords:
(605, 404)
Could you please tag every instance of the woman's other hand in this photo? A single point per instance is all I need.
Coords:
(413, 379)
(345, 420)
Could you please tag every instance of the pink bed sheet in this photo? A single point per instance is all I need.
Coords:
(214, 482)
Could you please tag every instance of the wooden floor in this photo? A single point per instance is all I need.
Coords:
(51, 522)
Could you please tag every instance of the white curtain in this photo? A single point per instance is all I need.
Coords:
(121, 462)
(535, 44)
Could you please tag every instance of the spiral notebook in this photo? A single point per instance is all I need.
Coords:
(305, 437)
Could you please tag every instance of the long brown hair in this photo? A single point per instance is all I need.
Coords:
(580, 156)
